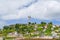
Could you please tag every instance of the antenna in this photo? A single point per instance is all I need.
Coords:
(29, 17)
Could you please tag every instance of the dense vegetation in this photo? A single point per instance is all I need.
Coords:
(30, 29)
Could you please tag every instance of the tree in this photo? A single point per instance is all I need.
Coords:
(29, 23)
(30, 29)
(5, 27)
(50, 25)
(8, 29)
(43, 23)
(0, 31)
(48, 30)
(35, 22)
(5, 30)
(17, 28)
(11, 29)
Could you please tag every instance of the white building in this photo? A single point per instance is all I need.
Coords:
(54, 35)
(12, 34)
(1, 38)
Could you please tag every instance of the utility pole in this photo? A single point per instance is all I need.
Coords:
(29, 17)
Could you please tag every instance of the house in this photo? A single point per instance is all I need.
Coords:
(54, 35)
(46, 37)
(54, 26)
(12, 34)
(1, 38)
(45, 26)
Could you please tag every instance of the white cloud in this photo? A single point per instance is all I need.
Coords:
(42, 9)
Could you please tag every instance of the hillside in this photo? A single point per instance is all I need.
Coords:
(31, 30)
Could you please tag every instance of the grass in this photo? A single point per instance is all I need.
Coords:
(12, 38)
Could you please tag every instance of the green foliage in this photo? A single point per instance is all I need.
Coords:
(56, 28)
(48, 32)
(40, 29)
(29, 22)
(17, 28)
(27, 29)
(43, 23)
(50, 23)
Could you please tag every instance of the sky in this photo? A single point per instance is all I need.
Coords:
(17, 11)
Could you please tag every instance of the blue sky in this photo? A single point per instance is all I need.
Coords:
(17, 11)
